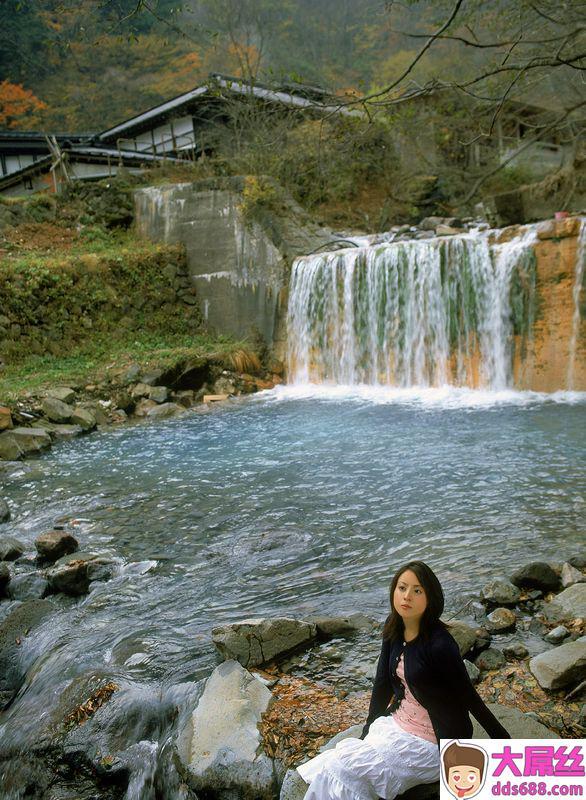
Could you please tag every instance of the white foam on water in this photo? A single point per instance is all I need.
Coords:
(437, 398)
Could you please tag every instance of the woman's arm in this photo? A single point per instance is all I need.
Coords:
(382, 688)
(453, 671)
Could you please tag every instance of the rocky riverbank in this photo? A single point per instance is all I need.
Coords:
(32, 424)
(283, 688)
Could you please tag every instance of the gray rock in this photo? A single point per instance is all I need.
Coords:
(84, 418)
(56, 410)
(256, 641)
(143, 407)
(330, 627)
(490, 659)
(569, 604)
(28, 587)
(15, 659)
(4, 578)
(63, 393)
(537, 626)
(58, 430)
(464, 635)
(19, 442)
(10, 548)
(560, 666)
(130, 375)
(153, 377)
(165, 410)
(578, 561)
(500, 592)
(557, 635)
(519, 725)
(293, 786)
(513, 652)
(536, 575)
(158, 393)
(220, 750)
(501, 620)
(55, 544)
(571, 575)
(472, 670)
(140, 390)
(4, 511)
(431, 223)
(224, 385)
(71, 573)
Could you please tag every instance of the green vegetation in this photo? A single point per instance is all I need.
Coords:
(90, 361)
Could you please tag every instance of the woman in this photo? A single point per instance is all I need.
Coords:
(421, 672)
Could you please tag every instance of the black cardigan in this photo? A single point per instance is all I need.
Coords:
(437, 678)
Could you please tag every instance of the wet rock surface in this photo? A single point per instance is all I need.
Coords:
(220, 748)
(561, 666)
(258, 641)
(55, 544)
(14, 662)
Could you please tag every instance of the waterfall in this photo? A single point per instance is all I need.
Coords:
(576, 292)
(412, 313)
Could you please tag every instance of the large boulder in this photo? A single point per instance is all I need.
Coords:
(19, 442)
(500, 592)
(72, 574)
(569, 604)
(330, 627)
(10, 548)
(28, 587)
(219, 751)
(15, 657)
(464, 635)
(560, 666)
(62, 393)
(52, 545)
(256, 641)
(84, 418)
(536, 575)
(56, 410)
(58, 430)
(519, 725)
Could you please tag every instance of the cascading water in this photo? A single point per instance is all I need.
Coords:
(420, 313)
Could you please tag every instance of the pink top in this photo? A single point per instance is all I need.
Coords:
(411, 715)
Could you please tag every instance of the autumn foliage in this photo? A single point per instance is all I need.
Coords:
(18, 106)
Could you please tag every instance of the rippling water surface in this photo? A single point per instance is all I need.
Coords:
(296, 502)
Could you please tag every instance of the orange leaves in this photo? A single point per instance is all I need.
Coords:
(18, 105)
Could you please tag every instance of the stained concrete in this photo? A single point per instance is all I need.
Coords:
(239, 268)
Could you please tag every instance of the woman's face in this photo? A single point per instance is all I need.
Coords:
(409, 599)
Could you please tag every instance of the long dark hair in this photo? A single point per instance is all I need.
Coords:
(434, 594)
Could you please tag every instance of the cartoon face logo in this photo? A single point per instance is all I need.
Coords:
(463, 769)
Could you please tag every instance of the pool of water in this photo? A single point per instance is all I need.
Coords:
(296, 502)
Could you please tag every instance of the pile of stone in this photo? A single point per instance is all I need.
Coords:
(64, 412)
(57, 567)
(548, 600)
(220, 751)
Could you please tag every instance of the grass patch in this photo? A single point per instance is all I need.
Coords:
(90, 362)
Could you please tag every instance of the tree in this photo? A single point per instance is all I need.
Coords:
(18, 106)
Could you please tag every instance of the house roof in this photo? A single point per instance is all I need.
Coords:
(236, 86)
(97, 155)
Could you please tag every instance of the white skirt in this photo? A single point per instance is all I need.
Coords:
(387, 762)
